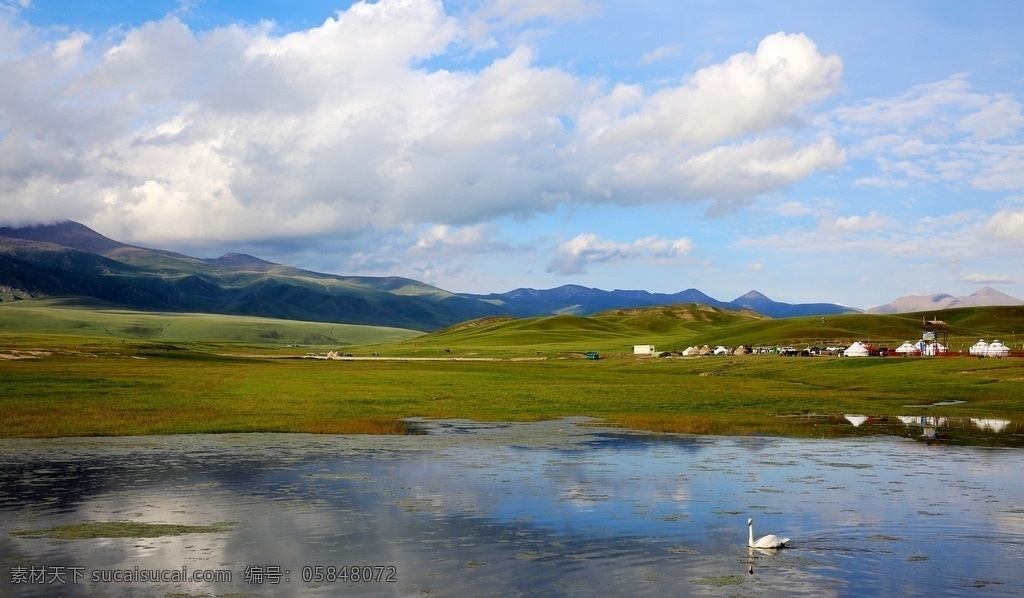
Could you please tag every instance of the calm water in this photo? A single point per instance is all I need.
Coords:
(544, 509)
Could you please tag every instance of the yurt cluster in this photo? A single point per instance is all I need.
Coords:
(856, 349)
(978, 349)
(995, 349)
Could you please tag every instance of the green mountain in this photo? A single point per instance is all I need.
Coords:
(68, 259)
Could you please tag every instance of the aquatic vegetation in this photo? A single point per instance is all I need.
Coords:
(119, 529)
(723, 580)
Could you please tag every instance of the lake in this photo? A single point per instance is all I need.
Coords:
(538, 509)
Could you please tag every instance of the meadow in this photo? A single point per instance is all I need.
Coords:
(59, 388)
(107, 384)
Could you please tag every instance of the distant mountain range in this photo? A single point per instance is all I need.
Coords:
(578, 300)
(70, 259)
(983, 297)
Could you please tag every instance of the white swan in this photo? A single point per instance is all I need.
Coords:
(769, 541)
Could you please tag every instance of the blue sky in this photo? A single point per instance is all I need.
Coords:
(814, 151)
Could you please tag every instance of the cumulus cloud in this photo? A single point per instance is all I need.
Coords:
(575, 255)
(748, 93)
(166, 134)
(1007, 225)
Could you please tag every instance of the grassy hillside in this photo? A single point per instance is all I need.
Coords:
(669, 328)
(614, 331)
(68, 259)
(99, 320)
(965, 326)
(673, 328)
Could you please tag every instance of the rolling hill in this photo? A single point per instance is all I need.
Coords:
(613, 331)
(676, 327)
(70, 260)
(97, 320)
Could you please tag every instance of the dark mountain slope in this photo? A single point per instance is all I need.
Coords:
(69, 259)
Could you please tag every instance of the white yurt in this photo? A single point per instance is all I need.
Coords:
(857, 349)
(908, 349)
(997, 349)
(978, 348)
(690, 351)
(933, 348)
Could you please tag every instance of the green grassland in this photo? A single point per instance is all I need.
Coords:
(67, 381)
(90, 318)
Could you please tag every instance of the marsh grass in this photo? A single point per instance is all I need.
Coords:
(84, 388)
(119, 529)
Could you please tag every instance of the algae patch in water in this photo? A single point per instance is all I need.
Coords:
(120, 529)
(725, 580)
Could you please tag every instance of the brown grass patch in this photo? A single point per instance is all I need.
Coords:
(357, 426)
(691, 424)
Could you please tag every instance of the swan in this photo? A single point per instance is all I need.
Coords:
(769, 541)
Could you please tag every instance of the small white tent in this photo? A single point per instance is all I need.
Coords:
(857, 349)
(997, 349)
(978, 348)
(690, 351)
(908, 349)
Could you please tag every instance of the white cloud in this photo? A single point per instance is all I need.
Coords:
(526, 11)
(987, 279)
(857, 223)
(441, 236)
(967, 236)
(168, 134)
(14, 5)
(521, 18)
(1007, 225)
(575, 255)
(661, 53)
(748, 93)
(938, 132)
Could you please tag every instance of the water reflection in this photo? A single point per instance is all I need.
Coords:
(957, 430)
(530, 509)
